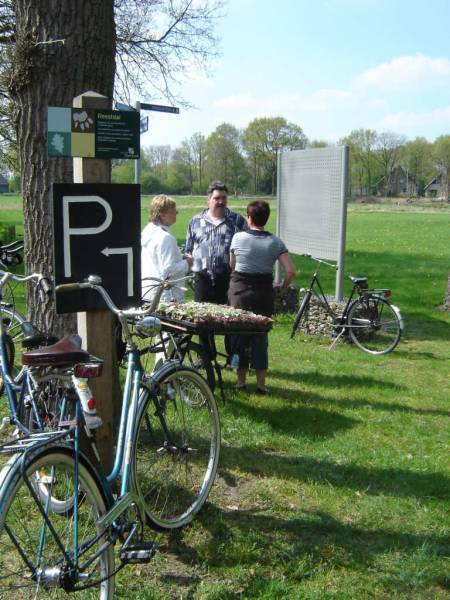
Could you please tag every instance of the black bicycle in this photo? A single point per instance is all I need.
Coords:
(369, 319)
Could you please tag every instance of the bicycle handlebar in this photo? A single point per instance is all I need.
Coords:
(320, 260)
(94, 282)
(12, 246)
(43, 285)
(167, 283)
(9, 254)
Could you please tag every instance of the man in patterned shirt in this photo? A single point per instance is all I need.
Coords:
(208, 240)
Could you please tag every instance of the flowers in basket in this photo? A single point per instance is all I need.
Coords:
(219, 315)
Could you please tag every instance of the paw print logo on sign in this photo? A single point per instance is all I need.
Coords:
(82, 121)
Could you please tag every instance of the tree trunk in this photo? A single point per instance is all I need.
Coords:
(446, 305)
(63, 49)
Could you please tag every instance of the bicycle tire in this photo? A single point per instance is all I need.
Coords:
(301, 311)
(193, 355)
(176, 448)
(8, 346)
(373, 325)
(12, 322)
(32, 564)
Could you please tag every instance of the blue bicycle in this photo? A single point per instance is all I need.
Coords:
(59, 517)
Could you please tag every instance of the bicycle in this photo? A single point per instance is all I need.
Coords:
(167, 453)
(371, 321)
(20, 391)
(178, 345)
(12, 319)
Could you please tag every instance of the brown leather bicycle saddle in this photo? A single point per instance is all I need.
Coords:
(67, 351)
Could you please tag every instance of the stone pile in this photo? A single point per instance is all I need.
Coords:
(316, 320)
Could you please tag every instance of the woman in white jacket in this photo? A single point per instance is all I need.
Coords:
(161, 256)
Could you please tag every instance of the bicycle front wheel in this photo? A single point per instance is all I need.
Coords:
(41, 556)
(373, 325)
(301, 311)
(176, 448)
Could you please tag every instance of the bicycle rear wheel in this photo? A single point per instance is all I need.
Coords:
(176, 449)
(12, 322)
(36, 560)
(373, 325)
(8, 346)
(301, 311)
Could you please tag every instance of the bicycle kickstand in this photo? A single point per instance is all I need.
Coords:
(337, 338)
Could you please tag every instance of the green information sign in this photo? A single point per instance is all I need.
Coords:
(90, 133)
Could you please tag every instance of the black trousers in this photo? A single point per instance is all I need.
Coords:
(207, 291)
(217, 293)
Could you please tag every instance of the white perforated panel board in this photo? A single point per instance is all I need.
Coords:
(312, 201)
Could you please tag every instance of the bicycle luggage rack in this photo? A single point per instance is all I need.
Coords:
(178, 325)
(33, 441)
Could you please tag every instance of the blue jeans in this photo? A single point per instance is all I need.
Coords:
(250, 350)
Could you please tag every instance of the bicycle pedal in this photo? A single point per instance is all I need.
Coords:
(139, 553)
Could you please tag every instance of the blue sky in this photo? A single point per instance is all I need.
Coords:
(329, 66)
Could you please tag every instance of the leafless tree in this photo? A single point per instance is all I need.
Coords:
(51, 51)
(161, 41)
(389, 154)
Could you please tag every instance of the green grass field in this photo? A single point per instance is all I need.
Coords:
(337, 485)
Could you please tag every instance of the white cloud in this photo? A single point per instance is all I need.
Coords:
(283, 103)
(407, 73)
(427, 122)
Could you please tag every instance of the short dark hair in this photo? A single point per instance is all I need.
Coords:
(259, 211)
(217, 185)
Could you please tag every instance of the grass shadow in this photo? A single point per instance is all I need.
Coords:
(293, 418)
(300, 546)
(314, 533)
(420, 327)
(372, 481)
(337, 381)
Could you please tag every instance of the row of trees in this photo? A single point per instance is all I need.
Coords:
(375, 159)
(246, 160)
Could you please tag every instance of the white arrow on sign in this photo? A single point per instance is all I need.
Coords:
(129, 252)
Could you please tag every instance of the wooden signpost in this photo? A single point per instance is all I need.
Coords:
(97, 231)
(97, 328)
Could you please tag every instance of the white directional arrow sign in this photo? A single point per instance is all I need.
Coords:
(129, 252)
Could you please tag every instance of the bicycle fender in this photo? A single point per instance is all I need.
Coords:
(394, 308)
(399, 315)
(8, 471)
(167, 367)
(14, 465)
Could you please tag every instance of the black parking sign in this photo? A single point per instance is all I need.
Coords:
(97, 231)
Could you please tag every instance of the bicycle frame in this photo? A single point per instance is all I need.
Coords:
(71, 439)
(341, 317)
(134, 381)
